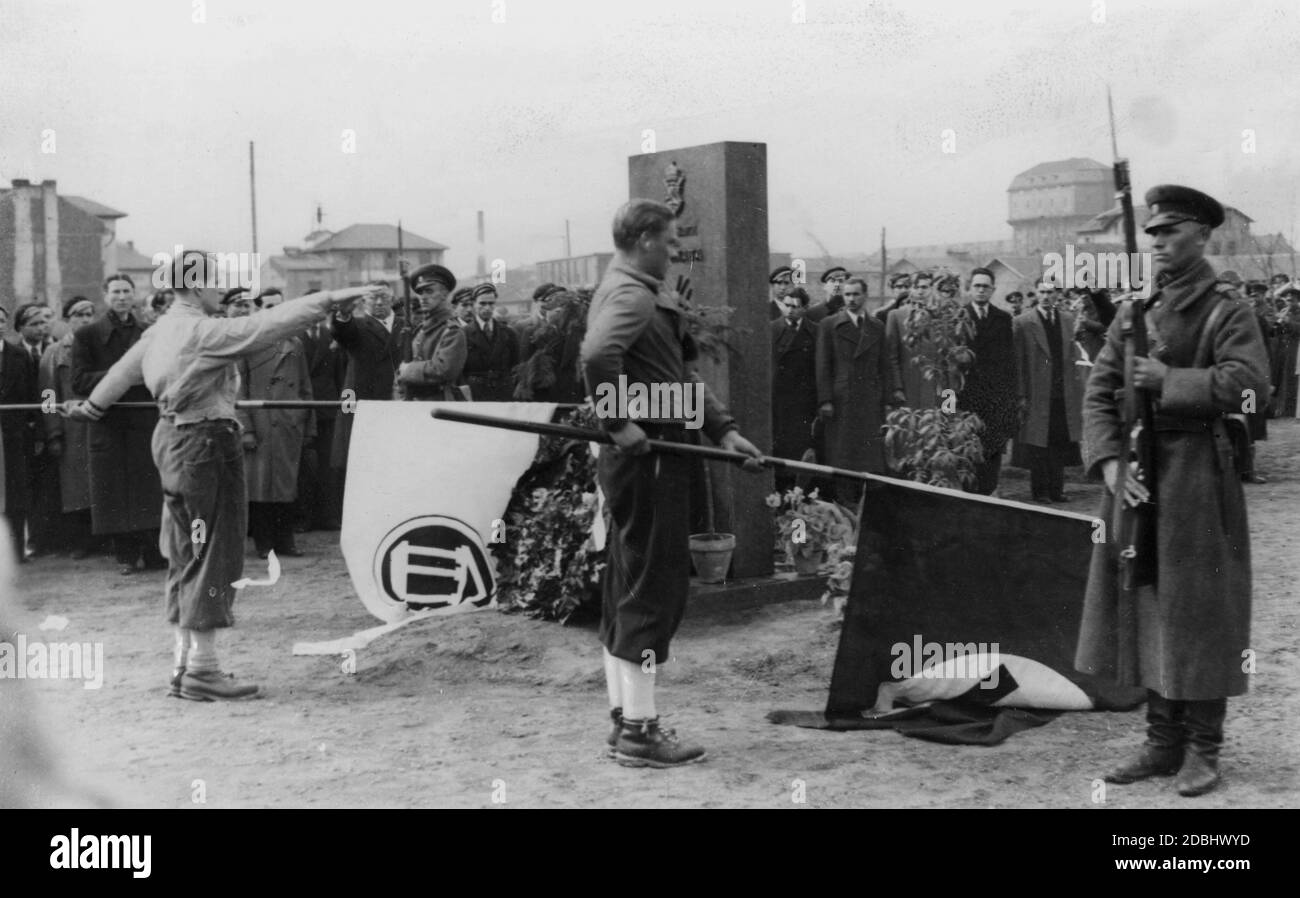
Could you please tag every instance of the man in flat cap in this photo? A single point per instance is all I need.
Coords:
(236, 303)
(901, 285)
(462, 307)
(435, 356)
(907, 376)
(188, 361)
(524, 329)
(780, 281)
(833, 286)
(636, 333)
(1184, 637)
(492, 351)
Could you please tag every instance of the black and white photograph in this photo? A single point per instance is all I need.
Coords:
(783, 404)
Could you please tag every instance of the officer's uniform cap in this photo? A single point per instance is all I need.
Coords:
(1172, 203)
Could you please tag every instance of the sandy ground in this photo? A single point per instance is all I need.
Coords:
(491, 708)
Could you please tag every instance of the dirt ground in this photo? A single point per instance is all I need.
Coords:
(487, 708)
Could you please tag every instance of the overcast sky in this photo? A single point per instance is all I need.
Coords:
(531, 119)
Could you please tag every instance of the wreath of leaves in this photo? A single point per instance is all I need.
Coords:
(548, 568)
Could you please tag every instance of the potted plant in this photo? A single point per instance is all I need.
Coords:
(711, 552)
(808, 527)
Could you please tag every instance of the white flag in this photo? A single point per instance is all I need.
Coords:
(423, 499)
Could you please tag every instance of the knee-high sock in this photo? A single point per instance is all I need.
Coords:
(203, 652)
(613, 680)
(638, 691)
(182, 646)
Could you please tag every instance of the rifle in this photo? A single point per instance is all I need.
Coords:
(1135, 526)
(406, 284)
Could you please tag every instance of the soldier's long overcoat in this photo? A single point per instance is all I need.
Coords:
(1187, 634)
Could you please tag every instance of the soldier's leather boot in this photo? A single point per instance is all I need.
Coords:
(1203, 730)
(1162, 754)
(643, 743)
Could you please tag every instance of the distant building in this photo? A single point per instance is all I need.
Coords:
(574, 272)
(353, 256)
(1050, 202)
(1072, 201)
(51, 248)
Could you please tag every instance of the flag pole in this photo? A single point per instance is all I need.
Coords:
(285, 404)
(713, 453)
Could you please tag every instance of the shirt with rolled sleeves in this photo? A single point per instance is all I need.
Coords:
(187, 359)
(635, 330)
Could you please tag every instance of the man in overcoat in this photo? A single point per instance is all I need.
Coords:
(907, 374)
(273, 437)
(990, 386)
(1187, 638)
(1050, 394)
(126, 495)
(794, 382)
(18, 435)
(374, 340)
(491, 351)
(853, 384)
(69, 441)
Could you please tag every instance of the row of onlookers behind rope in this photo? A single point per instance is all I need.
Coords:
(1024, 380)
(79, 488)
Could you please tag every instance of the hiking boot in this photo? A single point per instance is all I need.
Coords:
(616, 715)
(214, 686)
(175, 685)
(643, 743)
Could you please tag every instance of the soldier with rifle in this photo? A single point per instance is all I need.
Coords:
(1168, 598)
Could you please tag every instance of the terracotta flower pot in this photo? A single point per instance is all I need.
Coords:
(711, 553)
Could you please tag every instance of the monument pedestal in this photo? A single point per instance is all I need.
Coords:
(720, 193)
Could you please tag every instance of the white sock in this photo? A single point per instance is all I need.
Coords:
(182, 646)
(203, 652)
(638, 691)
(613, 680)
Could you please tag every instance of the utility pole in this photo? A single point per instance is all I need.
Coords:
(884, 266)
(252, 188)
(482, 259)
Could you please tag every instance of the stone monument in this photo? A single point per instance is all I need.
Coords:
(719, 192)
